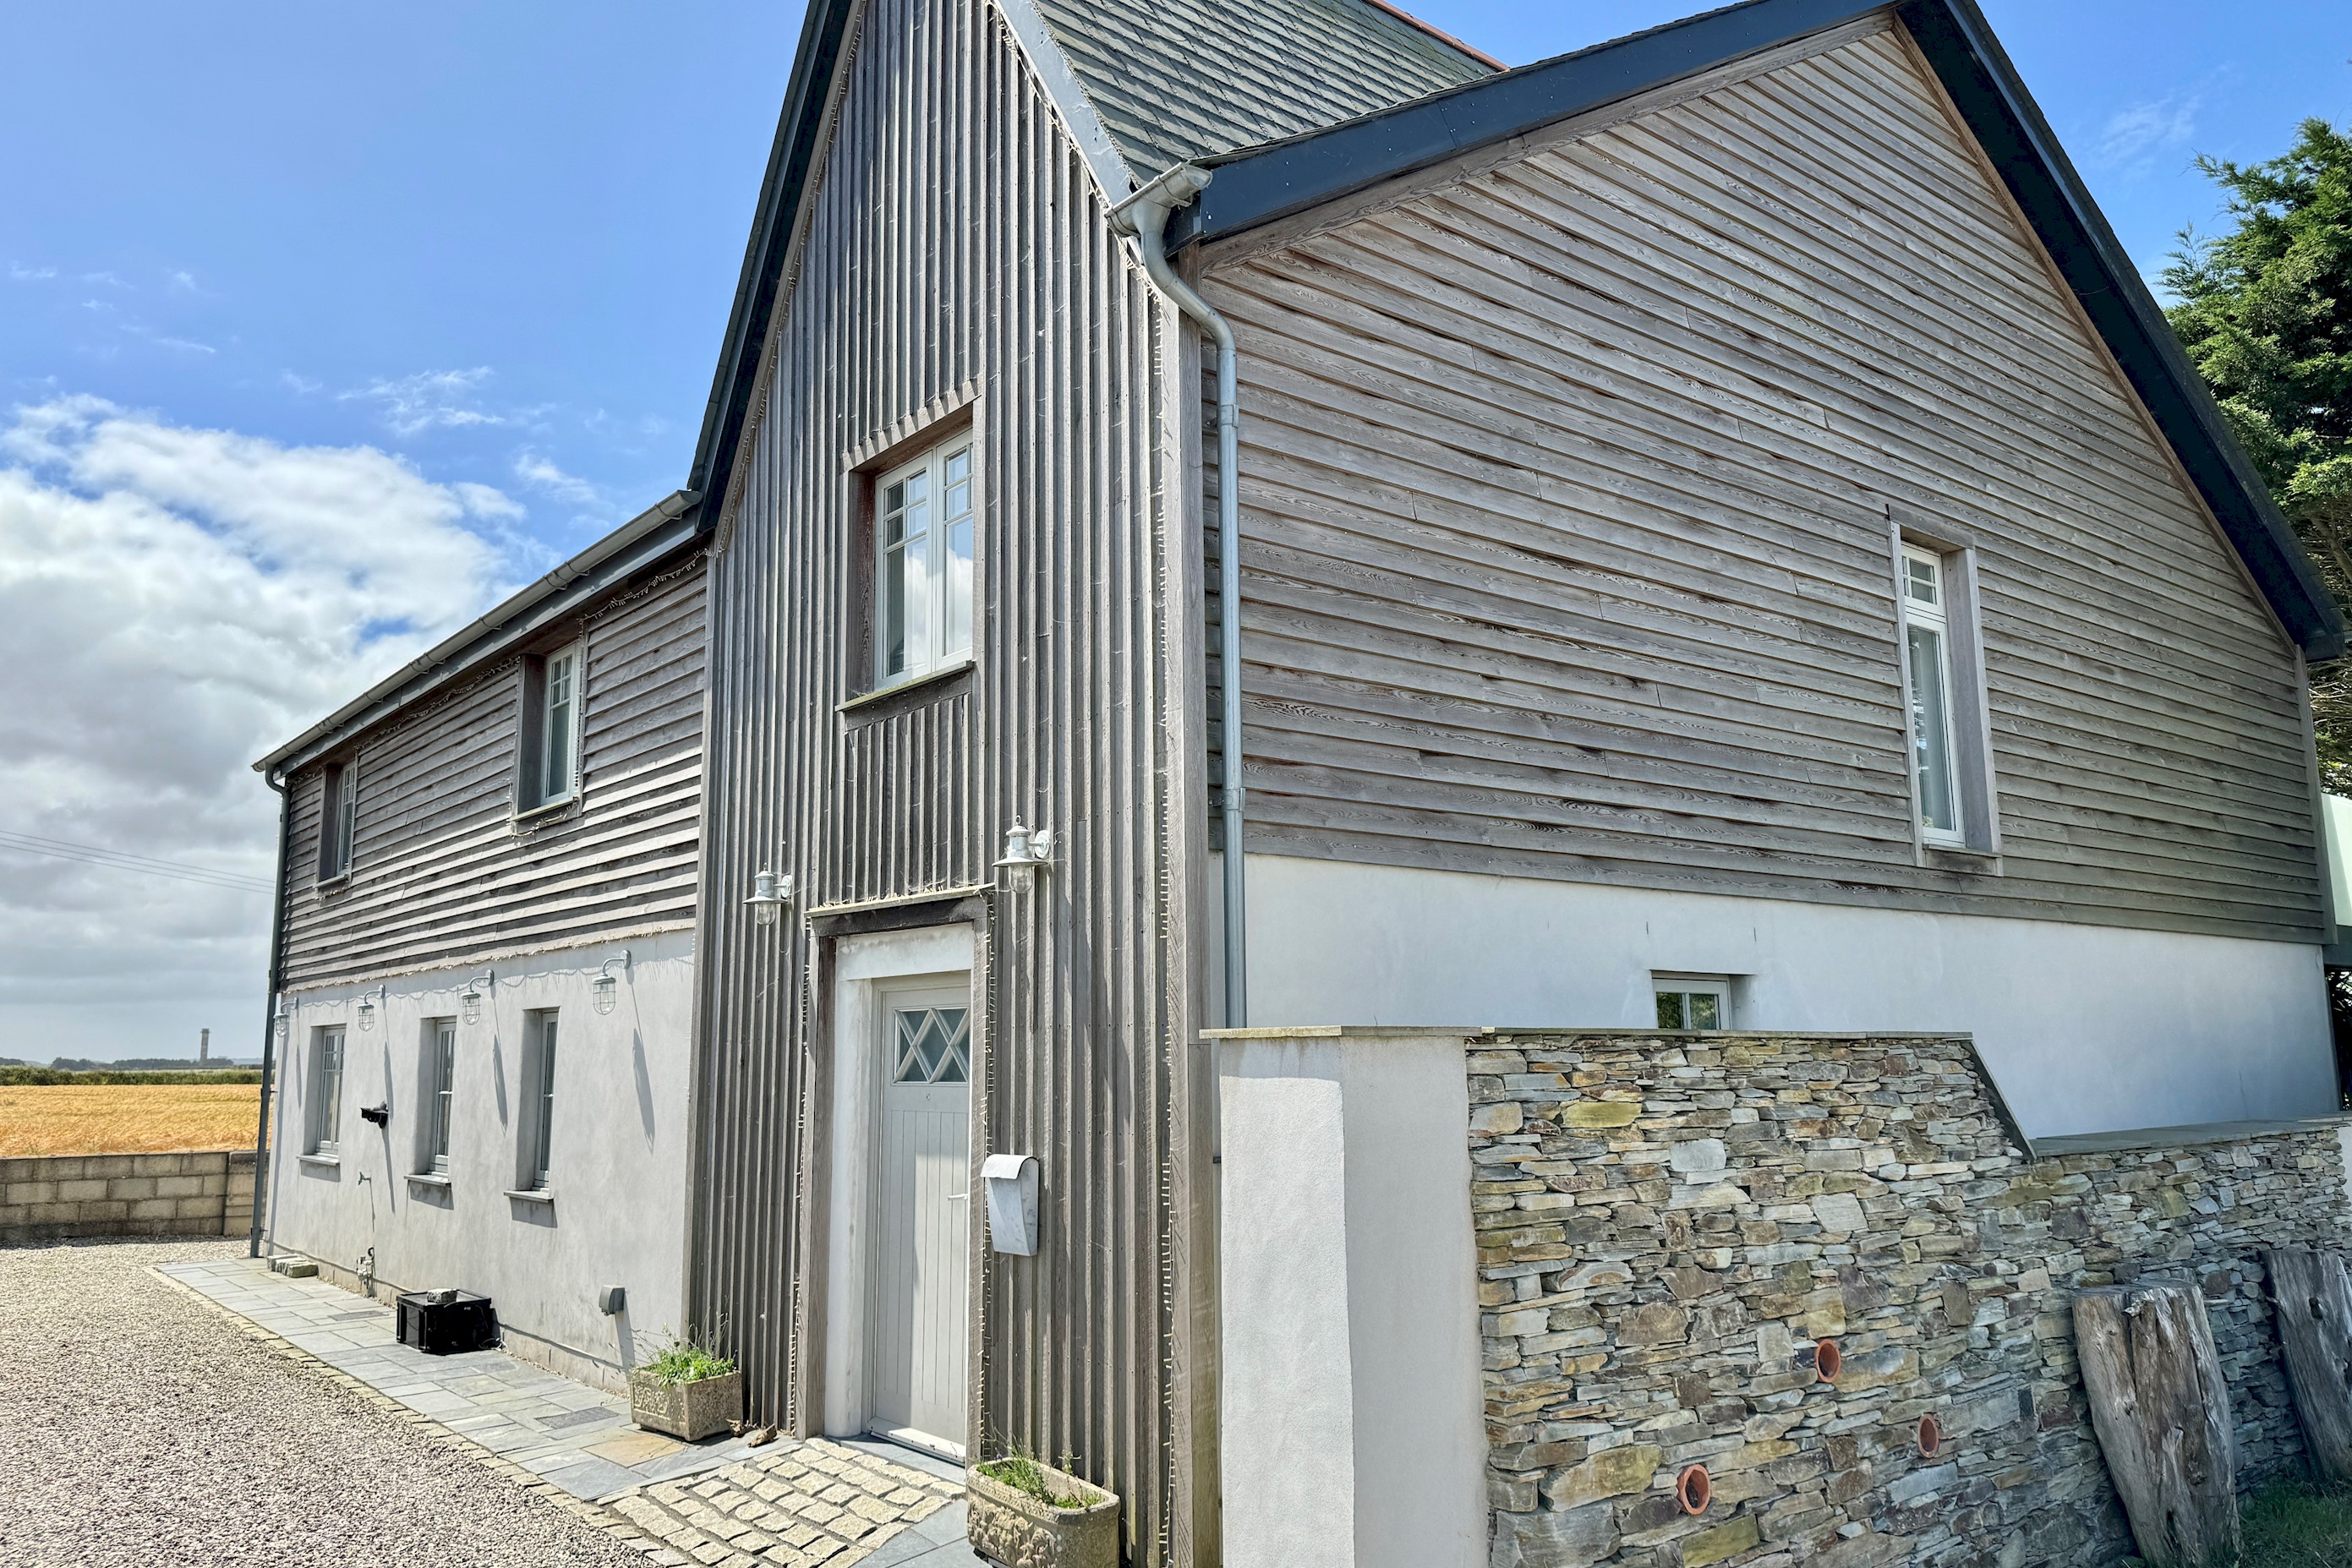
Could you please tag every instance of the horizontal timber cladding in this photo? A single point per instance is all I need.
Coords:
(953, 255)
(441, 873)
(1566, 505)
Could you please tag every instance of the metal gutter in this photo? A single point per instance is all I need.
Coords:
(1145, 216)
(1256, 185)
(634, 545)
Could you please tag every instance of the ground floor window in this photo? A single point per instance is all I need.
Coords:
(538, 1119)
(440, 1083)
(1693, 1001)
(326, 1096)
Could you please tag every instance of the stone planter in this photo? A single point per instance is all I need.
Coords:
(693, 1411)
(1012, 1528)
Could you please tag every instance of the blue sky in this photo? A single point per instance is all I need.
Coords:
(320, 326)
(499, 240)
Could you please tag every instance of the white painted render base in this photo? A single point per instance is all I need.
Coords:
(617, 1164)
(2085, 1028)
(1352, 1431)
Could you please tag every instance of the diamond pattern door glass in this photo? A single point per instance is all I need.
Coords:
(934, 1045)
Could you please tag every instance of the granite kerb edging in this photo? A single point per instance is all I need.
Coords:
(1669, 1226)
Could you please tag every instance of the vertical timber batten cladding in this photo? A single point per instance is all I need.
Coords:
(441, 871)
(1566, 491)
(955, 256)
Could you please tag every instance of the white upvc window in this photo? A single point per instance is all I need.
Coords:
(1693, 1001)
(539, 1123)
(1927, 656)
(441, 1078)
(922, 564)
(326, 1096)
(339, 816)
(553, 699)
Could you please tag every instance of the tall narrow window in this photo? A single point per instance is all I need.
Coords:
(339, 813)
(551, 729)
(326, 1090)
(541, 1121)
(922, 564)
(441, 1077)
(1927, 653)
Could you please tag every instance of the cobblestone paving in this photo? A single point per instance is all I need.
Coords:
(797, 1505)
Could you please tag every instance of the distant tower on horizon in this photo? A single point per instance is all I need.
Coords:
(203, 1047)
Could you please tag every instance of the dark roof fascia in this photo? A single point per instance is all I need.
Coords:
(1257, 185)
(645, 541)
(800, 133)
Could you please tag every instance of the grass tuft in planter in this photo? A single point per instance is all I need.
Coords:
(688, 1390)
(1024, 1514)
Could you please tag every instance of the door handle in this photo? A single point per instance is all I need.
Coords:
(958, 1197)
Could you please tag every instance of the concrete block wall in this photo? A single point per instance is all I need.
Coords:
(55, 1197)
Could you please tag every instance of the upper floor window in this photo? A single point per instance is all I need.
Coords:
(551, 728)
(339, 815)
(922, 563)
(1943, 686)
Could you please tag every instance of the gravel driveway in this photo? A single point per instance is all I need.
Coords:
(138, 1426)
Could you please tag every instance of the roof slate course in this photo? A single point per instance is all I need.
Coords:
(1179, 79)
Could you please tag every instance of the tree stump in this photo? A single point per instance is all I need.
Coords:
(2162, 1414)
(2313, 1291)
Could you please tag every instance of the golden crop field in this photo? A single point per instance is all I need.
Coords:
(125, 1118)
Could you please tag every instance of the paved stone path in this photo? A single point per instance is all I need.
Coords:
(716, 1505)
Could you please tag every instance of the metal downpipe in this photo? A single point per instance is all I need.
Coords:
(1145, 215)
(269, 1019)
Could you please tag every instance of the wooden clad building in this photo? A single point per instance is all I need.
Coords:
(1718, 535)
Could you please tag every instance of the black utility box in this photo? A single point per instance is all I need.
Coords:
(447, 1322)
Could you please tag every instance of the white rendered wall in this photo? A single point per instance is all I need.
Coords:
(618, 1161)
(2085, 1028)
(1353, 1433)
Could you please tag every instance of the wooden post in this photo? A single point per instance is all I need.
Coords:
(2313, 1291)
(2162, 1414)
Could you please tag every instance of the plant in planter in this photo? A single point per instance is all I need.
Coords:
(688, 1390)
(1024, 1514)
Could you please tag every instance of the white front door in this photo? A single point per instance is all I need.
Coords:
(915, 1295)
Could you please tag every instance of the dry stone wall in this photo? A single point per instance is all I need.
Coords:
(1669, 1227)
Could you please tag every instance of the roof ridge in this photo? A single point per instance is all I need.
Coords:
(1442, 36)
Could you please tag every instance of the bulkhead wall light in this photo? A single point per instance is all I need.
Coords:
(285, 1019)
(470, 1000)
(1027, 851)
(368, 1000)
(606, 993)
(769, 892)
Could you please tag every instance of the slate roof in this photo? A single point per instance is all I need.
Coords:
(1180, 79)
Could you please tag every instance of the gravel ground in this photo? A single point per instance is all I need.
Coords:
(138, 1426)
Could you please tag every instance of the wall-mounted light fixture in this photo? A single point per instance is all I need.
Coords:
(1026, 852)
(770, 894)
(606, 992)
(285, 1019)
(470, 1000)
(368, 1000)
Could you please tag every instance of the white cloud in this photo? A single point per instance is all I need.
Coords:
(185, 282)
(541, 474)
(429, 399)
(20, 273)
(2131, 138)
(173, 602)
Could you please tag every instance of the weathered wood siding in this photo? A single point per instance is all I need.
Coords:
(953, 242)
(1566, 530)
(441, 872)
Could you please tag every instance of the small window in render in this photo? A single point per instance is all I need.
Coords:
(539, 1119)
(440, 1082)
(1943, 680)
(1693, 1001)
(339, 815)
(326, 1096)
(551, 729)
(922, 564)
